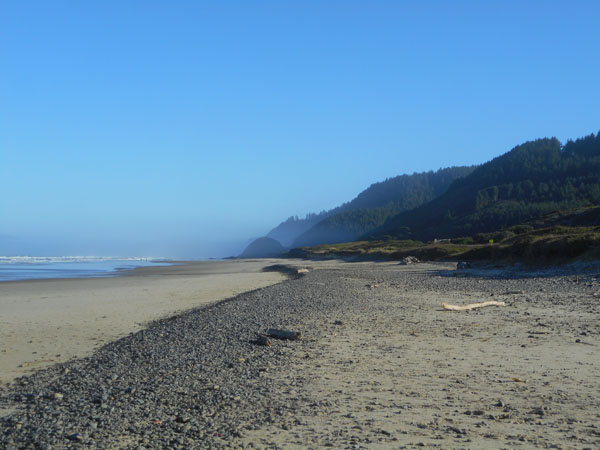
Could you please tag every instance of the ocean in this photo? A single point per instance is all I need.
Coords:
(14, 268)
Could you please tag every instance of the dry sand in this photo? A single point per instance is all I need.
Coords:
(43, 322)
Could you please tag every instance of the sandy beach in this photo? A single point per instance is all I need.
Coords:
(380, 365)
(43, 322)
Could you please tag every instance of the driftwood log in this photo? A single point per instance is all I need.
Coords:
(303, 270)
(284, 334)
(471, 306)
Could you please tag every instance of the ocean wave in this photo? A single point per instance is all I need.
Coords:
(66, 259)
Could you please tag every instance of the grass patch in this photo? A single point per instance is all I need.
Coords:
(386, 250)
(522, 243)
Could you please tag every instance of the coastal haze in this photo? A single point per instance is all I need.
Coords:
(186, 130)
(303, 224)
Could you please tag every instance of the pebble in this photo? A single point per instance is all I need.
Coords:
(74, 437)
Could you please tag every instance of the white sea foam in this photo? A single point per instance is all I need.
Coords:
(66, 259)
(37, 267)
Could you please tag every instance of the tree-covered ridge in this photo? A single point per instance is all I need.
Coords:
(372, 207)
(533, 179)
(345, 226)
(293, 226)
(264, 247)
(379, 201)
(407, 191)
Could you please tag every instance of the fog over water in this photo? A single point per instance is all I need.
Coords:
(173, 247)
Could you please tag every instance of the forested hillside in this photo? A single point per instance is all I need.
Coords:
(368, 210)
(532, 179)
(288, 230)
(263, 247)
(372, 207)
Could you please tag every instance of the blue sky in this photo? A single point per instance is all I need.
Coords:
(183, 129)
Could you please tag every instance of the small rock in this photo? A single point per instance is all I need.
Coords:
(409, 260)
(539, 411)
(74, 437)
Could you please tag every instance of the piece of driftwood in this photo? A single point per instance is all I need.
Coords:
(303, 270)
(284, 334)
(471, 306)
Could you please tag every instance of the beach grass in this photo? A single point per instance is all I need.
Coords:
(543, 245)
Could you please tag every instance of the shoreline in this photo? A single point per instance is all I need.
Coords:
(49, 321)
(380, 364)
(77, 266)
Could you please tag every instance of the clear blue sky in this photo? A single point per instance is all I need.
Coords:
(183, 128)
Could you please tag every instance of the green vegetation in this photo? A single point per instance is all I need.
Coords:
(545, 245)
(540, 246)
(537, 202)
(383, 250)
(263, 247)
(531, 180)
(381, 201)
(293, 226)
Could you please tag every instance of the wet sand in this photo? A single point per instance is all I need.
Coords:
(43, 322)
